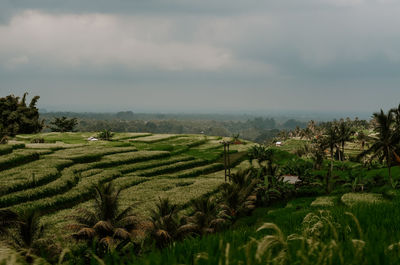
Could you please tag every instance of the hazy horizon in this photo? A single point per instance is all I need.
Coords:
(312, 56)
(234, 115)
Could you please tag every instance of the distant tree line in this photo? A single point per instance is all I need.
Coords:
(63, 124)
(256, 129)
(18, 117)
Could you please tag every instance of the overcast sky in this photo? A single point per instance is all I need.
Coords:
(202, 55)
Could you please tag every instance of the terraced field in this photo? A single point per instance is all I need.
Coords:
(58, 176)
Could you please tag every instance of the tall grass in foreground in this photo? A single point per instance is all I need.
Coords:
(362, 234)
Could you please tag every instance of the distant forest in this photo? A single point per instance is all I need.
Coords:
(258, 129)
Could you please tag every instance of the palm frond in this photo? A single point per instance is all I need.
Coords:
(121, 233)
(103, 227)
(85, 233)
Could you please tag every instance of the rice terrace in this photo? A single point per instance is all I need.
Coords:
(170, 132)
(318, 195)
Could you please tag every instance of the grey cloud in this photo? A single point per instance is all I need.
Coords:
(278, 54)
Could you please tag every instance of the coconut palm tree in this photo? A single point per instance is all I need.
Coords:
(344, 132)
(331, 140)
(396, 113)
(239, 196)
(317, 152)
(205, 218)
(386, 140)
(165, 223)
(26, 235)
(106, 225)
(362, 138)
(106, 135)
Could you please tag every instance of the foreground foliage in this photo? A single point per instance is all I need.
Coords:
(107, 226)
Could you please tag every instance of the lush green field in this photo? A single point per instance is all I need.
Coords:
(372, 237)
(347, 226)
(58, 176)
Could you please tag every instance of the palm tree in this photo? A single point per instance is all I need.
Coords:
(106, 225)
(106, 135)
(205, 218)
(362, 138)
(27, 236)
(317, 152)
(331, 140)
(396, 113)
(386, 141)
(239, 196)
(165, 224)
(344, 134)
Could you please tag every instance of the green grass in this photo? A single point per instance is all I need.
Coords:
(157, 138)
(59, 176)
(66, 181)
(90, 153)
(5, 149)
(128, 158)
(211, 154)
(379, 225)
(82, 191)
(31, 174)
(178, 166)
(53, 137)
(128, 168)
(196, 171)
(129, 136)
(17, 158)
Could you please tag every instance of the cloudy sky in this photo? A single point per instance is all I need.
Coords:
(202, 55)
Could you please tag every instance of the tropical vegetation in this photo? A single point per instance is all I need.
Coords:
(327, 195)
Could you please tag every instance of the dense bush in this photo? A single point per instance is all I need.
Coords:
(261, 152)
(105, 135)
(18, 118)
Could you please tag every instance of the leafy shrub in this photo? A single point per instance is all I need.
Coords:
(18, 118)
(309, 190)
(261, 152)
(105, 135)
(18, 146)
(297, 167)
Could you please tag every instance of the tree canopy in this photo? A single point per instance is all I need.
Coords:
(63, 124)
(16, 117)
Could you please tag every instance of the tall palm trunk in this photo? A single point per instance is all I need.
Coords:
(339, 151)
(342, 155)
(389, 164)
(329, 176)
